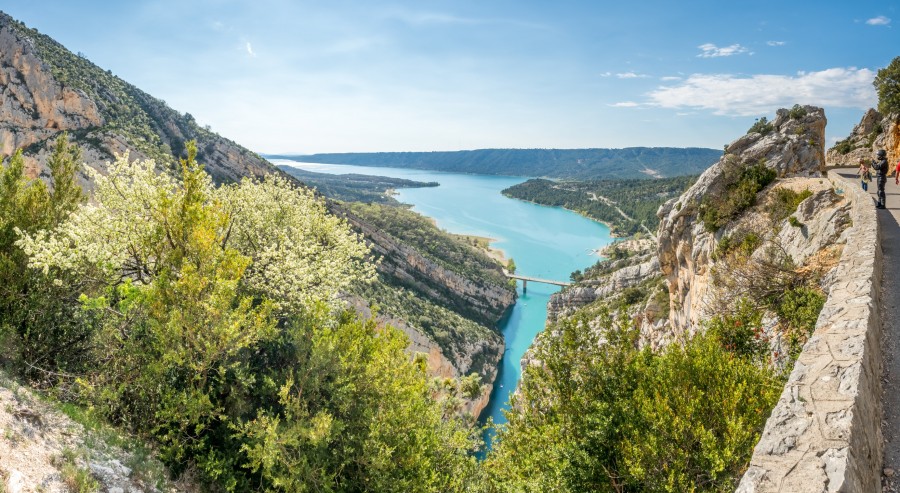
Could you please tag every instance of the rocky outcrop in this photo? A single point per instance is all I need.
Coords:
(34, 106)
(46, 90)
(482, 301)
(873, 132)
(793, 147)
(587, 292)
(41, 449)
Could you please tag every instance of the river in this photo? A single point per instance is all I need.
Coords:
(545, 242)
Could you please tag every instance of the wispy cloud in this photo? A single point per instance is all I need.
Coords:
(776, 43)
(709, 50)
(625, 104)
(726, 94)
(631, 75)
(250, 51)
(605, 74)
(879, 21)
(669, 78)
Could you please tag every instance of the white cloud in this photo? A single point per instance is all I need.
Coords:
(709, 50)
(776, 43)
(631, 75)
(625, 104)
(726, 94)
(669, 78)
(250, 50)
(605, 74)
(879, 21)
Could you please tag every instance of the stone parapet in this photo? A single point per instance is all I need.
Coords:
(824, 435)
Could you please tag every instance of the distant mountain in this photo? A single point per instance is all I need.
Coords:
(46, 89)
(630, 162)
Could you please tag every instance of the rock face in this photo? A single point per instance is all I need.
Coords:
(46, 90)
(794, 147)
(587, 292)
(29, 115)
(479, 301)
(873, 132)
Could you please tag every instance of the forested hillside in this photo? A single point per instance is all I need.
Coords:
(628, 206)
(354, 187)
(582, 164)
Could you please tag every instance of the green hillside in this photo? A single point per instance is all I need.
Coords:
(608, 201)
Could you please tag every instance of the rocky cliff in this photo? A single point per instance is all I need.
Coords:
(873, 132)
(459, 351)
(46, 90)
(792, 146)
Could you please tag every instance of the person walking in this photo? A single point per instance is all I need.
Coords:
(864, 174)
(880, 165)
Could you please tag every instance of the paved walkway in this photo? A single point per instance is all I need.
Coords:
(889, 223)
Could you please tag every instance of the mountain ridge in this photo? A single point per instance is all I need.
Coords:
(628, 162)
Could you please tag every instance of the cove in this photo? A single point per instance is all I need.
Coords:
(545, 242)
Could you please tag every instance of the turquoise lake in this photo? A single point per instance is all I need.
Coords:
(545, 242)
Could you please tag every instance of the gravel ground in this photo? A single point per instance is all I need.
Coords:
(43, 450)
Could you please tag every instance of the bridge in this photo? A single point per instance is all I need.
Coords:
(525, 280)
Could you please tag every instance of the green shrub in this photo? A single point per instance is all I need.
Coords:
(601, 415)
(761, 126)
(742, 242)
(741, 332)
(738, 195)
(797, 112)
(784, 202)
(793, 221)
(843, 146)
(799, 309)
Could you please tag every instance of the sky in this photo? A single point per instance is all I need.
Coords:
(281, 76)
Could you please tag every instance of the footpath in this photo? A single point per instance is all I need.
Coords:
(889, 224)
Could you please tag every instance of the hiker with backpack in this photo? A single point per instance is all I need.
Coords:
(864, 174)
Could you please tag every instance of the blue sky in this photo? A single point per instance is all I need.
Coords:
(352, 76)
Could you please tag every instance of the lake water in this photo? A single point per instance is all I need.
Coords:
(545, 242)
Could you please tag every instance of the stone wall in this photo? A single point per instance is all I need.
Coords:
(824, 435)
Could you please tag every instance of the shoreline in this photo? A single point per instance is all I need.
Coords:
(610, 226)
(484, 243)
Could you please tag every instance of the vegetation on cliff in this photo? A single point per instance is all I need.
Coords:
(581, 164)
(205, 319)
(887, 83)
(354, 187)
(598, 414)
(608, 201)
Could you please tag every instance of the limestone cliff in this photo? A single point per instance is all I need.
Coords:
(792, 147)
(873, 132)
(46, 90)
(459, 352)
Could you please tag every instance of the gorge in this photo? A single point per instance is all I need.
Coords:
(544, 242)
